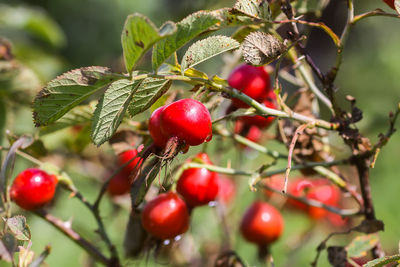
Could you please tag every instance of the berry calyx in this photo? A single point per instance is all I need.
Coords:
(166, 216)
(33, 188)
(159, 139)
(252, 81)
(198, 186)
(261, 224)
(188, 120)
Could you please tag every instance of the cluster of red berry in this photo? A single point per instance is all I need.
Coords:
(255, 83)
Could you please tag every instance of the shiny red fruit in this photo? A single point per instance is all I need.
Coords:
(253, 133)
(262, 224)
(33, 188)
(119, 184)
(390, 3)
(187, 119)
(198, 186)
(260, 121)
(128, 155)
(166, 216)
(226, 189)
(250, 80)
(299, 188)
(327, 194)
(159, 139)
(276, 182)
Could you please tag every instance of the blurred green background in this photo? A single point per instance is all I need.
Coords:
(50, 37)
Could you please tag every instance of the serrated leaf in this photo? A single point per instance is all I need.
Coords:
(382, 261)
(67, 91)
(139, 35)
(187, 29)
(248, 7)
(360, 245)
(147, 94)
(111, 109)
(142, 184)
(19, 228)
(207, 48)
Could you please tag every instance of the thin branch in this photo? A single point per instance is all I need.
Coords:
(375, 13)
(74, 236)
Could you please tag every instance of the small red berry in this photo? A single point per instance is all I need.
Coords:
(226, 189)
(276, 182)
(198, 186)
(119, 184)
(166, 216)
(260, 121)
(253, 133)
(262, 224)
(250, 80)
(390, 3)
(188, 120)
(159, 139)
(327, 194)
(128, 155)
(33, 188)
(299, 188)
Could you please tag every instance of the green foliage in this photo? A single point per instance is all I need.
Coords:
(383, 261)
(360, 245)
(148, 92)
(187, 29)
(111, 109)
(206, 49)
(248, 7)
(67, 91)
(139, 35)
(19, 228)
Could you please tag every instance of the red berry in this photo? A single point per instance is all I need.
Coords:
(327, 194)
(159, 139)
(253, 133)
(128, 155)
(166, 216)
(260, 121)
(33, 188)
(198, 186)
(250, 80)
(261, 224)
(390, 3)
(188, 120)
(299, 188)
(276, 182)
(226, 189)
(119, 184)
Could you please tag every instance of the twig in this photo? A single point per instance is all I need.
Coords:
(74, 236)
(376, 12)
(297, 133)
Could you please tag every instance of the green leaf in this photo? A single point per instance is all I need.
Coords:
(19, 228)
(134, 246)
(248, 7)
(8, 246)
(111, 109)
(147, 94)
(67, 91)
(207, 48)
(360, 245)
(139, 35)
(383, 261)
(187, 29)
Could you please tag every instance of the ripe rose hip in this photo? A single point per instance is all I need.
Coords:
(119, 184)
(299, 188)
(250, 80)
(226, 189)
(159, 139)
(128, 155)
(327, 194)
(261, 224)
(253, 133)
(198, 186)
(188, 120)
(390, 3)
(166, 216)
(260, 121)
(33, 188)
(276, 182)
